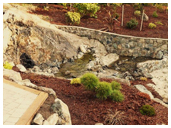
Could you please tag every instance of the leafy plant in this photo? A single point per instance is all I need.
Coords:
(132, 24)
(117, 96)
(73, 17)
(7, 65)
(147, 110)
(115, 85)
(151, 25)
(75, 81)
(90, 81)
(159, 23)
(155, 14)
(87, 8)
(137, 13)
(103, 90)
(143, 78)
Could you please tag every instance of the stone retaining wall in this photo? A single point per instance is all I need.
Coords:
(123, 44)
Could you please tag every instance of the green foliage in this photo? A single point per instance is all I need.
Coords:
(115, 85)
(90, 81)
(147, 110)
(137, 13)
(155, 14)
(117, 96)
(132, 24)
(159, 23)
(160, 7)
(75, 81)
(73, 17)
(151, 25)
(87, 8)
(7, 65)
(103, 90)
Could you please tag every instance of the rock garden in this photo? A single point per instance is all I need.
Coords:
(94, 72)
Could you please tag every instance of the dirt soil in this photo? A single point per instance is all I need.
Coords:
(86, 109)
(56, 15)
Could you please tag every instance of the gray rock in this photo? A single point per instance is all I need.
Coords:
(160, 101)
(13, 75)
(147, 75)
(145, 17)
(159, 55)
(54, 70)
(143, 89)
(62, 109)
(38, 119)
(83, 48)
(36, 69)
(80, 54)
(90, 65)
(21, 67)
(53, 119)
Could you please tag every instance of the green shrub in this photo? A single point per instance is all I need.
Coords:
(87, 8)
(151, 25)
(103, 90)
(115, 85)
(117, 96)
(147, 110)
(132, 23)
(7, 65)
(73, 17)
(137, 13)
(75, 81)
(155, 14)
(90, 81)
(159, 23)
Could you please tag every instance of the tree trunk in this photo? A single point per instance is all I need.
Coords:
(122, 15)
(142, 20)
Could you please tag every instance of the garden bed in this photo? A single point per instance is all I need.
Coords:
(56, 14)
(86, 109)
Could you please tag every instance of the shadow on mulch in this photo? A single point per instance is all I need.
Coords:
(86, 109)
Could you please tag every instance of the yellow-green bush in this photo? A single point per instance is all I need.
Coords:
(143, 78)
(73, 17)
(115, 85)
(151, 25)
(7, 65)
(147, 110)
(117, 96)
(155, 14)
(137, 13)
(75, 81)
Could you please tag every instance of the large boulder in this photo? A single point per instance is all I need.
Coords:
(13, 75)
(108, 59)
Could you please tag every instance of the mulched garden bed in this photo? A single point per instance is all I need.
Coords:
(86, 109)
(56, 15)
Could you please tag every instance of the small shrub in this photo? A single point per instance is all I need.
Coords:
(117, 96)
(75, 81)
(90, 81)
(7, 65)
(147, 110)
(143, 78)
(73, 17)
(103, 90)
(151, 25)
(160, 8)
(155, 14)
(143, 95)
(158, 22)
(132, 24)
(137, 13)
(115, 85)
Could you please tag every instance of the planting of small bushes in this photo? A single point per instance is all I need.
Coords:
(155, 14)
(151, 25)
(73, 17)
(7, 65)
(132, 24)
(147, 110)
(75, 81)
(90, 81)
(103, 89)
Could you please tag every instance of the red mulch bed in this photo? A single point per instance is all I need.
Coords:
(57, 16)
(86, 109)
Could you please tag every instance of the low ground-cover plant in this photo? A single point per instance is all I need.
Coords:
(7, 65)
(103, 90)
(159, 23)
(147, 110)
(132, 24)
(73, 17)
(155, 14)
(151, 25)
(115, 85)
(90, 81)
(117, 96)
(75, 81)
